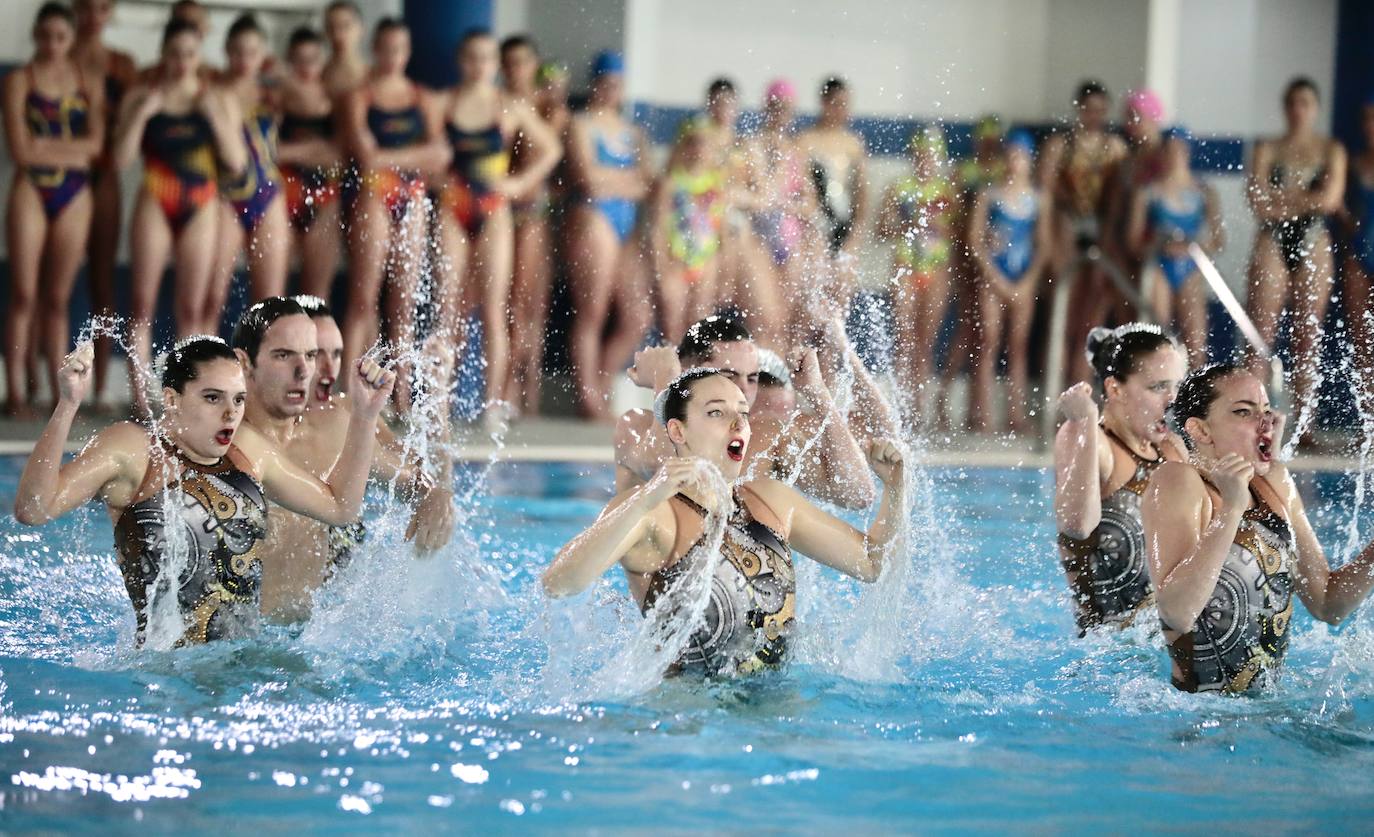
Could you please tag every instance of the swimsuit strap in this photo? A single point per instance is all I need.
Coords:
(1159, 455)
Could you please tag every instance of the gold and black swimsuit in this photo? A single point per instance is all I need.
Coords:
(752, 601)
(1111, 580)
(1238, 641)
(219, 516)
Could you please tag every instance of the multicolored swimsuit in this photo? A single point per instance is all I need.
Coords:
(1238, 641)
(251, 194)
(480, 158)
(1175, 220)
(179, 165)
(752, 602)
(219, 516)
(308, 190)
(924, 207)
(398, 188)
(65, 117)
(1110, 578)
(698, 212)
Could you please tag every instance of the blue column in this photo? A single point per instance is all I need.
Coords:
(435, 27)
(1354, 70)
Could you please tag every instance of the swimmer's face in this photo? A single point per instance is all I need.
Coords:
(774, 402)
(1178, 155)
(717, 425)
(307, 62)
(53, 38)
(1239, 421)
(739, 363)
(343, 29)
(280, 374)
(1018, 161)
(391, 51)
(519, 65)
(246, 53)
(778, 111)
(93, 15)
(835, 107)
(723, 109)
(478, 61)
(329, 360)
(1092, 112)
(1138, 127)
(609, 90)
(181, 55)
(1300, 109)
(1142, 399)
(203, 418)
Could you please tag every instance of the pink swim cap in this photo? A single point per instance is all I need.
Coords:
(1146, 103)
(781, 88)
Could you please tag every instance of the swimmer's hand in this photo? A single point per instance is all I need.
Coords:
(1231, 475)
(672, 477)
(1077, 404)
(807, 379)
(886, 460)
(74, 378)
(370, 387)
(655, 367)
(431, 526)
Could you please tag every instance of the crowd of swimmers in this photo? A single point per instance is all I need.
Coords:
(471, 202)
(1168, 492)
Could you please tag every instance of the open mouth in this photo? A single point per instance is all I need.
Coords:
(323, 388)
(295, 396)
(225, 436)
(735, 450)
(1160, 427)
(1265, 449)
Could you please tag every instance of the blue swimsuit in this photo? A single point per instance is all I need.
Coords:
(1012, 231)
(617, 153)
(1176, 222)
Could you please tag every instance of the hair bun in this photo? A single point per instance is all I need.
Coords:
(1098, 339)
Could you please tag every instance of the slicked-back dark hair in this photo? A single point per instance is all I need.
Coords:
(253, 325)
(699, 343)
(1197, 394)
(1117, 352)
(679, 393)
(187, 356)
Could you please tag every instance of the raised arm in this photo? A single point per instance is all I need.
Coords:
(1081, 464)
(1329, 595)
(1186, 540)
(841, 474)
(828, 540)
(637, 528)
(47, 488)
(339, 498)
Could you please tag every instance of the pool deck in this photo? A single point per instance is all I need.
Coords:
(570, 440)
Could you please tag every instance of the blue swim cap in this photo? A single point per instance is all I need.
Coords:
(1178, 132)
(1020, 138)
(607, 62)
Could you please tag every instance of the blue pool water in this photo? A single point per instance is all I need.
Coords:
(447, 694)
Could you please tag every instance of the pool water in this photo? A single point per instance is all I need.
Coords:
(447, 694)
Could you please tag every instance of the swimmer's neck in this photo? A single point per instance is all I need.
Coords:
(279, 429)
(1123, 432)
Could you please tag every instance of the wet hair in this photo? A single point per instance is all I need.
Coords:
(244, 24)
(53, 11)
(476, 33)
(720, 87)
(1117, 352)
(1089, 87)
(253, 325)
(313, 306)
(1197, 394)
(768, 379)
(699, 343)
(176, 27)
(183, 362)
(517, 41)
(831, 86)
(346, 5)
(1300, 83)
(672, 402)
(303, 36)
(388, 24)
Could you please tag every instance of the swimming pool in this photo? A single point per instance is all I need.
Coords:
(447, 694)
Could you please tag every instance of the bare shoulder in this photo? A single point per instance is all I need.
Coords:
(1175, 481)
(778, 499)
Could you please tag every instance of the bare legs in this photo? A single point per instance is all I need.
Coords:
(529, 307)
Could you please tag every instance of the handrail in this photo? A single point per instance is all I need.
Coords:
(1242, 320)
